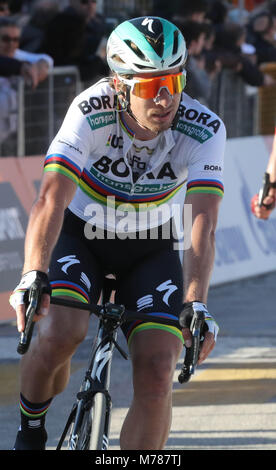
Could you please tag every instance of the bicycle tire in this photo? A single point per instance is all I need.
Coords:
(78, 431)
(98, 414)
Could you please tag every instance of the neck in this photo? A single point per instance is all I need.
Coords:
(141, 132)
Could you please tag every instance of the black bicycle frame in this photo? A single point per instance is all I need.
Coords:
(97, 379)
(97, 376)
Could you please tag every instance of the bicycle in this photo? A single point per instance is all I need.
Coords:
(87, 427)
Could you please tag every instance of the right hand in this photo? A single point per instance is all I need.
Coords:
(210, 328)
(263, 211)
(18, 298)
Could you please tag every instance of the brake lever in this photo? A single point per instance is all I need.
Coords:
(264, 190)
(33, 304)
(192, 353)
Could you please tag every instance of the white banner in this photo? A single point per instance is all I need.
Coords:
(245, 245)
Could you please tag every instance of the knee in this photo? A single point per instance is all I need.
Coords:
(153, 375)
(57, 342)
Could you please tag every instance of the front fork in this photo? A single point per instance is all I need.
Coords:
(97, 379)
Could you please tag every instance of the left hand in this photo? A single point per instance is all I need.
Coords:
(210, 329)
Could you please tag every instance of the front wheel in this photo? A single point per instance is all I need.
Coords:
(99, 414)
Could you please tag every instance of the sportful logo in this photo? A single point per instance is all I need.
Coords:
(85, 280)
(144, 302)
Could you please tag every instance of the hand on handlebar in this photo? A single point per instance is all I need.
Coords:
(263, 203)
(209, 331)
(263, 211)
(19, 298)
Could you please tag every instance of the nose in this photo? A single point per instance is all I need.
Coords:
(163, 97)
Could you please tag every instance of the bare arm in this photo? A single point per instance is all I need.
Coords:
(46, 220)
(271, 167)
(263, 212)
(43, 229)
(199, 258)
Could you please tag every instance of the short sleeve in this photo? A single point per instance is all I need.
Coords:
(70, 148)
(206, 165)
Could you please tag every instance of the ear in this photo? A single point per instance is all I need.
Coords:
(115, 81)
(117, 88)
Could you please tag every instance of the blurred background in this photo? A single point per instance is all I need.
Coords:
(231, 66)
(51, 50)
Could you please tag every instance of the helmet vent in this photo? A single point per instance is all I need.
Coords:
(144, 67)
(117, 58)
(175, 42)
(176, 62)
(157, 44)
(136, 50)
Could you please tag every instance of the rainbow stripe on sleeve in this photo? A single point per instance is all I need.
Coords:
(205, 186)
(62, 164)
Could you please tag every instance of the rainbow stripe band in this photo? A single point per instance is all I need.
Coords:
(62, 164)
(33, 413)
(205, 186)
(125, 127)
(99, 191)
(137, 326)
(69, 289)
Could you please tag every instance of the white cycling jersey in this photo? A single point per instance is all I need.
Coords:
(128, 185)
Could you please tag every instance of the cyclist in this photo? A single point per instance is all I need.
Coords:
(126, 149)
(263, 208)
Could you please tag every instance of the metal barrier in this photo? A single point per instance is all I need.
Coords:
(40, 112)
(236, 103)
(45, 108)
(267, 103)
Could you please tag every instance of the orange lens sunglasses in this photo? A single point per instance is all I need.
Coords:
(150, 87)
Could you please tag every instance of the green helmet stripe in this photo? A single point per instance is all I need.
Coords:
(128, 30)
(168, 32)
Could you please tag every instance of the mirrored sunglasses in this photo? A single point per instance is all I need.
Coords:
(150, 87)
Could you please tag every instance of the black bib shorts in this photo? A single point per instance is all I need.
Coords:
(148, 272)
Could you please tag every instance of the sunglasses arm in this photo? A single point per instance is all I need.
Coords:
(130, 83)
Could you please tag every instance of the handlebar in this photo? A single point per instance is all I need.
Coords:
(192, 353)
(33, 305)
(116, 314)
(265, 190)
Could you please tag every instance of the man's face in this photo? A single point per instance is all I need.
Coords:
(4, 9)
(9, 40)
(86, 8)
(156, 115)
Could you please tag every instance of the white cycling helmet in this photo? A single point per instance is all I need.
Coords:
(145, 45)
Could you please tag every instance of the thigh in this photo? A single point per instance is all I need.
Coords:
(74, 271)
(155, 285)
(75, 274)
